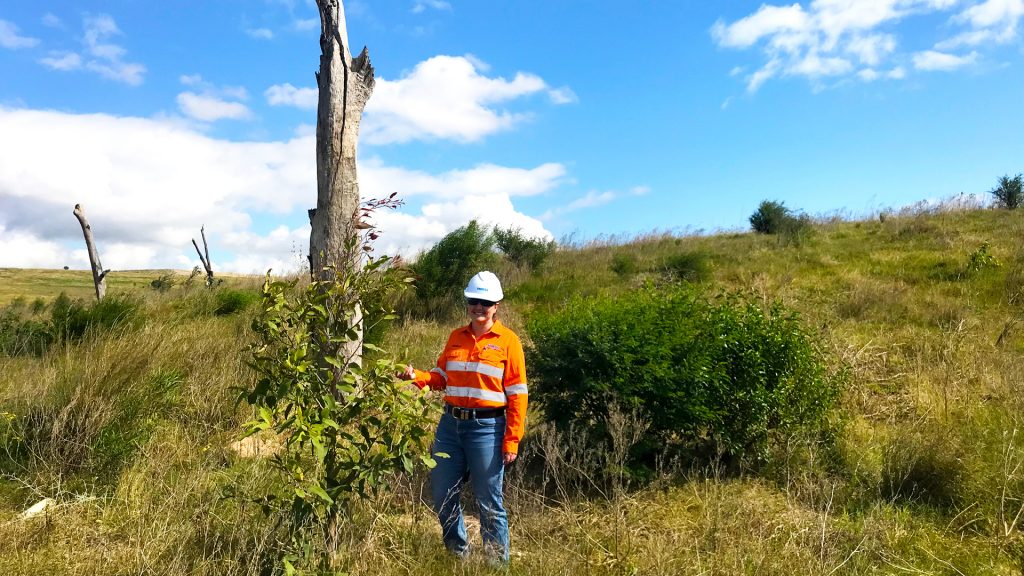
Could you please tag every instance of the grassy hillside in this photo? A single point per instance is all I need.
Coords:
(47, 284)
(129, 429)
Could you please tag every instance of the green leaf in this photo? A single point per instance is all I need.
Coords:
(320, 493)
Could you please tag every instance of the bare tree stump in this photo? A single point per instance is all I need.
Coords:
(204, 259)
(99, 275)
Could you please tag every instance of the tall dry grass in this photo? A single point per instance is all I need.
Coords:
(128, 431)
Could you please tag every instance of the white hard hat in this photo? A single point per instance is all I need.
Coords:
(485, 286)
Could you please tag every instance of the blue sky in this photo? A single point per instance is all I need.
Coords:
(565, 119)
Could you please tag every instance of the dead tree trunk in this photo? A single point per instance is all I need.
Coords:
(204, 259)
(345, 84)
(99, 275)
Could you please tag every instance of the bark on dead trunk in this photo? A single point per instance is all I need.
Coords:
(204, 259)
(345, 84)
(99, 275)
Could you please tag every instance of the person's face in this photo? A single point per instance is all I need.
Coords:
(481, 311)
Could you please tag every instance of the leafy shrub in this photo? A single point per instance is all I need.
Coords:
(709, 375)
(229, 301)
(164, 282)
(773, 217)
(37, 306)
(72, 319)
(1009, 192)
(347, 428)
(624, 265)
(443, 271)
(982, 259)
(769, 217)
(521, 250)
(23, 336)
(688, 266)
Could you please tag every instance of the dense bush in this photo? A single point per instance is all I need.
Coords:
(230, 301)
(711, 376)
(1009, 193)
(774, 218)
(20, 336)
(72, 319)
(522, 250)
(624, 265)
(688, 266)
(443, 271)
(769, 217)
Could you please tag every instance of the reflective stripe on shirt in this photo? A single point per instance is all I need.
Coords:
(462, 392)
(516, 389)
(478, 367)
(441, 372)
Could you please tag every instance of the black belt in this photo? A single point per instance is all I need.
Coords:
(473, 413)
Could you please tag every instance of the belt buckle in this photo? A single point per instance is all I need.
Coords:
(461, 413)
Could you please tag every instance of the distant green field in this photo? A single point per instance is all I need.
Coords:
(30, 284)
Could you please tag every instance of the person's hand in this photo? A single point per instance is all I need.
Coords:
(409, 373)
(508, 457)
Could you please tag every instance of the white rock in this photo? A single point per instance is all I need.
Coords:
(38, 508)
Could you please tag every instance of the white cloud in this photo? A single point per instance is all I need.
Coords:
(378, 180)
(305, 24)
(444, 97)
(931, 60)
(288, 95)
(210, 108)
(51, 20)
(100, 56)
(993, 14)
(421, 5)
(767, 21)
(148, 185)
(991, 21)
(63, 61)
(827, 37)
(871, 49)
(131, 74)
(12, 39)
(260, 33)
(213, 102)
(25, 250)
(563, 95)
(589, 200)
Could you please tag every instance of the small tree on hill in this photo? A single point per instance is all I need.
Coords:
(443, 270)
(522, 250)
(770, 217)
(1009, 193)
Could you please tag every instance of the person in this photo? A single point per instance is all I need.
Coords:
(482, 371)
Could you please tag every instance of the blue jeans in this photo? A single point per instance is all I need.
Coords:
(472, 446)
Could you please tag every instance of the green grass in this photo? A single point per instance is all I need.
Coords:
(129, 430)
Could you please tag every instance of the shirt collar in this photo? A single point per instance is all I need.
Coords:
(497, 328)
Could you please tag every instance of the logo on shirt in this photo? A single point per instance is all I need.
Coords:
(492, 347)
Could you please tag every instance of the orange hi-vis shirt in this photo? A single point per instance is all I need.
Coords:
(485, 372)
